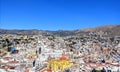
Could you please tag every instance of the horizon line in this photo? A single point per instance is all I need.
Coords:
(62, 29)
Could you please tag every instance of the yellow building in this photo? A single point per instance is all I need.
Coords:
(62, 63)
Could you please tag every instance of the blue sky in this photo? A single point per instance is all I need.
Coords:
(58, 14)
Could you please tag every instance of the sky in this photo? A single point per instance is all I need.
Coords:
(58, 14)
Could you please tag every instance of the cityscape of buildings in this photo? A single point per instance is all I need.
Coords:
(90, 52)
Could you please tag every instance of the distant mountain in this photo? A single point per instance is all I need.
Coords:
(20, 32)
(112, 30)
(62, 32)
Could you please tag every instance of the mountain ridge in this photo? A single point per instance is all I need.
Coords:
(112, 29)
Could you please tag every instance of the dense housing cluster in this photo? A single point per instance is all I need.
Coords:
(91, 52)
